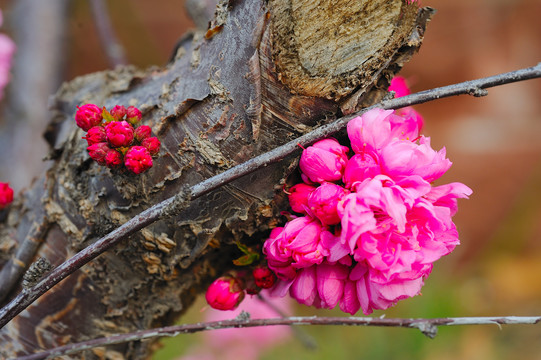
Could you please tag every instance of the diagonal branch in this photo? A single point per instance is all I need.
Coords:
(175, 203)
(428, 327)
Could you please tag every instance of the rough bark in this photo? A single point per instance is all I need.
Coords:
(261, 75)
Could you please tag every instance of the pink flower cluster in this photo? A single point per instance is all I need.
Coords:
(371, 223)
(112, 139)
(6, 195)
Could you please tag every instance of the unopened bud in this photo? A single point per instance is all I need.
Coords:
(264, 277)
(87, 116)
(118, 112)
(95, 135)
(6, 195)
(98, 152)
(119, 133)
(113, 159)
(133, 115)
(142, 132)
(152, 144)
(138, 159)
(225, 293)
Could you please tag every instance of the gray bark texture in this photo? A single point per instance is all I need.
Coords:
(261, 75)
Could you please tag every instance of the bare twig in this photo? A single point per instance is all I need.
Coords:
(428, 327)
(167, 207)
(111, 45)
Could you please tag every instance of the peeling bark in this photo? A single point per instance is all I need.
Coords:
(227, 96)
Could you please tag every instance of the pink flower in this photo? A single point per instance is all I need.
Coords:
(374, 296)
(376, 128)
(133, 115)
(263, 277)
(370, 132)
(304, 287)
(138, 159)
(6, 195)
(446, 195)
(142, 132)
(323, 200)
(119, 133)
(349, 302)
(323, 161)
(225, 293)
(113, 159)
(88, 116)
(295, 246)
(359, 168)
(98, 152)
(405, 158)
(152, 144)
(331, 280)
(7, 49)
(399, 86)
(95, 134)
(118, 112)
(298, 197)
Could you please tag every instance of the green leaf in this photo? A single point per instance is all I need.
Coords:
(247, 259)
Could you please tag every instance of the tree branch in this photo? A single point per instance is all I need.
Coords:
(428, 327)
(175, 203)
(112, 47)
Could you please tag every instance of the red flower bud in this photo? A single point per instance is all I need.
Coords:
(6, 195)
(133, 115)
(138, 159)
(95, 135)
(118, 112)
(98, 152)
(152, 144)
(225, 293)
(87, 116)
(264, 277)
(119, 133)
(298, 197)
(142, 132)
(113, 159)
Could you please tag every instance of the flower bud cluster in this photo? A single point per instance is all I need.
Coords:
(114, 139)
(228, 291)
(6, 195)
(370, 222)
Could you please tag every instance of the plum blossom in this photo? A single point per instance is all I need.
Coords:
(7, 49)
(295, 246)
(323, 161)
(298, 197)
(225, 293)
(374, 224)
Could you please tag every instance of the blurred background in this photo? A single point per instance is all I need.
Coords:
(494, 143)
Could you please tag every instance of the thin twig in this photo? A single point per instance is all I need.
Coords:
(166, 207)
(111, 45)
(428, 327)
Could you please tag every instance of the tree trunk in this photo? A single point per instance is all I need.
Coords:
(263, 74)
